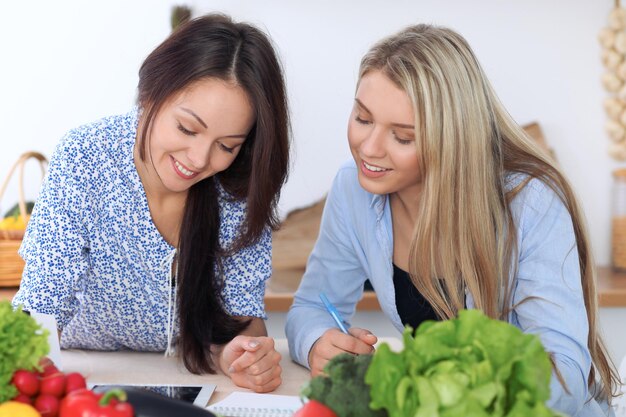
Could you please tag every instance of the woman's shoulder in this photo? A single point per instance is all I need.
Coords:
(103, 135)
(534, 197)
(89, 158)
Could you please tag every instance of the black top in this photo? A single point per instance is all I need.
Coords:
(412, 306)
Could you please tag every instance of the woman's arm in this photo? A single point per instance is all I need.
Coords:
(548, 296)
(250, 358)
(55, 247)
(335, 269)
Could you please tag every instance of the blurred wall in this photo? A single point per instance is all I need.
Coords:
(68, 62)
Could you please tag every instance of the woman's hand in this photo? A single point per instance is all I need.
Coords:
(333, 342)
(252, 362)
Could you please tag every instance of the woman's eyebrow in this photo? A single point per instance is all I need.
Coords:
(362, 106)
(403, 126)
(400, 125)
(186, 110)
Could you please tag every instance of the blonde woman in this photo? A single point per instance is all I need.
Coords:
(448, 205)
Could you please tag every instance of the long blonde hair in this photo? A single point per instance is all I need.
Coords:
(468, 144)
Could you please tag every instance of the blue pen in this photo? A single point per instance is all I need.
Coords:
(334, 313)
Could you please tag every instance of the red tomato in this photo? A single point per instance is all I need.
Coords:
(74, 381)
(47, 405)
(26, 382)
(314, 409)
(53, 384)
(23, 398)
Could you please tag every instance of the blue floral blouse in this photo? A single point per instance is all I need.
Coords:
(96, 261)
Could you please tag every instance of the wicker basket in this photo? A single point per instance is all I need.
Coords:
(11, 265)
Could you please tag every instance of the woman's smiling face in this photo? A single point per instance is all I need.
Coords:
(198, 133)
(381, 134)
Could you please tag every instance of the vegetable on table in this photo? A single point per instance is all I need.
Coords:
(314, 408)
(26, 382)
(86, 403)
(22, 343)
(74, 381)
(47, 405)
(17, 409)
(343, 388)
(45, 388)
(468, 366)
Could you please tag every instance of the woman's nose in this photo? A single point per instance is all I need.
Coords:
(373, 144)
(199, 155)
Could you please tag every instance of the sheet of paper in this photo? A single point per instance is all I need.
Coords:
(249, 404)
(48, 322)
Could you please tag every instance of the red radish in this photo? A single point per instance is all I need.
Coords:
(26, 382)
(49, 370)
(74, 381)
(23, 398)
(53, 384)
(45, 361)
(47, 405)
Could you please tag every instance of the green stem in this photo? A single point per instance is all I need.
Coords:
(116, 393)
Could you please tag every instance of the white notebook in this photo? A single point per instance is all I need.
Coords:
(249, 404)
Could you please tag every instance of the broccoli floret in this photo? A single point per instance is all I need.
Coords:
(343, 388)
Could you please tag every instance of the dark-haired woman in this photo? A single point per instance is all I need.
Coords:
(152, 228)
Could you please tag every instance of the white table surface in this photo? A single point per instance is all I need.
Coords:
(124, 367)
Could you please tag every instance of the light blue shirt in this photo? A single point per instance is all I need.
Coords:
(356, 243)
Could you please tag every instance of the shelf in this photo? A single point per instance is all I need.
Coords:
(281, 287)
(611, 288)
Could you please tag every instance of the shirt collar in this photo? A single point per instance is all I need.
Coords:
(378, 203)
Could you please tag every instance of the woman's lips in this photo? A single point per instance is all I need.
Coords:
(182, 171)
(372, 171)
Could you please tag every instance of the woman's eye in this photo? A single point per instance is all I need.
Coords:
(226, 148)
(361, 121)
(402, 141)
(185, 130)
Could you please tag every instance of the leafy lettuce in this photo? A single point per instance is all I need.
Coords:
(22, 344)
(471, 366)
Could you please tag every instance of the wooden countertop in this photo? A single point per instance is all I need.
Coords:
(284, 283)
(280, 289)
(279, 294)
(611, 287)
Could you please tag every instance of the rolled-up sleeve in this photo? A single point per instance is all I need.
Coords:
(333, 268)
(548, 296)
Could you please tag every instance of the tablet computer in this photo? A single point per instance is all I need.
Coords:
(194, 394)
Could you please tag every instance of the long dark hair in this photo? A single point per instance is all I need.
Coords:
(213, 46)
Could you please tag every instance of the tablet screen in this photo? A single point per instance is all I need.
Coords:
(194, 394)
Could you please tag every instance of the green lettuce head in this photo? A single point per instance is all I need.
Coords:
(22, 344)
(469, 366)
